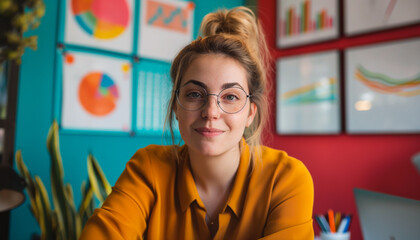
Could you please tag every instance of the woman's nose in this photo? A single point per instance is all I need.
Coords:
(211, 110)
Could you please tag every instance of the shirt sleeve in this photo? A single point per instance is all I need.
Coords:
(125, 211)
(290, 214)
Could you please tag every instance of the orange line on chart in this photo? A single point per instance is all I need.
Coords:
(307, 88)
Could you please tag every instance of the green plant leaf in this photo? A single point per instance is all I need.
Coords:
(30, 186)
(87, 202)
(57, 183)
(100, 184)
(74, 220)
(44, 209)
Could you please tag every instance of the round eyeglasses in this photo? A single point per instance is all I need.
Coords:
(193, 97)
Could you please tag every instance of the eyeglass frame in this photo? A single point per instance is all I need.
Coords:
(248, 96)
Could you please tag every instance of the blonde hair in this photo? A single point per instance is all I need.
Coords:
(236, 34)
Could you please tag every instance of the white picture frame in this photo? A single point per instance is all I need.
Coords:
(362, 16)
(97, 92)
(166, 26)
(302, 22)
(383, 88)
(308, 94)
(106, 25)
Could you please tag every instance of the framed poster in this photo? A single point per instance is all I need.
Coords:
(166, 26)
(97, 92)
(306, 21)
(103, 24)
(153, 95)
(308, 99)
(370, 15)
(383, 88)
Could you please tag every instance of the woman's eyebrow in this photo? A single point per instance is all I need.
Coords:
(229, 85)
(224, 86)
(196, 83)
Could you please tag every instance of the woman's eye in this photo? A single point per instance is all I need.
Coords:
(231, 97)
(194, 95)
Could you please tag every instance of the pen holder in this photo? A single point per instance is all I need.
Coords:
(335, 236)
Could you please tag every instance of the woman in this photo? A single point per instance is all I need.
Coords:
(222, 183)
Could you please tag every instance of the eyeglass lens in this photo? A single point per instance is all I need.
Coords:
(230, 100)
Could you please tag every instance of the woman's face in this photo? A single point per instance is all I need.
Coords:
(210, 131)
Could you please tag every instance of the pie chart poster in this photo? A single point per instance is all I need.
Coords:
(104, 24)
(96, 92)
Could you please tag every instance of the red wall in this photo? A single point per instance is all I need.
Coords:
(340, 163)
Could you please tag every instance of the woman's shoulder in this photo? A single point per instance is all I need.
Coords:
(282, 172)
(152, 164)
(155, 150)
(281, 162)
(155, 157)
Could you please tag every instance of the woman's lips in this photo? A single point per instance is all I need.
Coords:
(209, 132)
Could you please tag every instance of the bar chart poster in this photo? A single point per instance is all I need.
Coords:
(306, 21)
(166, 26)
(96, 92)
(371, 15)
(103, 24)
(308, 99)
(383, 88)
(153, 95)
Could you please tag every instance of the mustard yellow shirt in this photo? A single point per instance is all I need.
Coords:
(156, 198)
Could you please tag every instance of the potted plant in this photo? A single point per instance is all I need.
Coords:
(62, 220)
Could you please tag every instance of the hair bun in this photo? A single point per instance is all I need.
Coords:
(240, 22)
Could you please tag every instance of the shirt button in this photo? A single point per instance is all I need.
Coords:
(211, 223)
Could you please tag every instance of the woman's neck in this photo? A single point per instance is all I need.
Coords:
(213, 178)
(214, 173)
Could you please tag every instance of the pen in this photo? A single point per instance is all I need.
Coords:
(325, 223)
(321, 226)
(331, 220)
(348, 223)
(337, 219)
(343, 225)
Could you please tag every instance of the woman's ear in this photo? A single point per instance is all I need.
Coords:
(252, 113)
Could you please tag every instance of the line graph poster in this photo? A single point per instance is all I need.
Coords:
(308, 94)
(306, 21)
(383, 88)
(105, 24)
(166, 26)
(369, 15)
(96, 92)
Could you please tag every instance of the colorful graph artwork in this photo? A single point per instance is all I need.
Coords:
(169, 17)
(104, 24)
(154, 92)
(383, 88)
(96, 92)
(370, 15)
(380, 82)
(104, 19)
(165, 28)
(306, 21)
(308, 94)
(323, 90)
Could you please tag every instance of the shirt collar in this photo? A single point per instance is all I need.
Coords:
(188, 191)
(237, 195)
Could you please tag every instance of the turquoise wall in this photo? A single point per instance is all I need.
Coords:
(35, 114)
